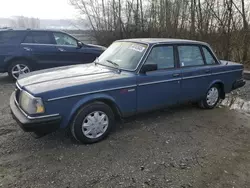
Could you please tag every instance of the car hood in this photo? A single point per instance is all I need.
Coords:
(69, 76)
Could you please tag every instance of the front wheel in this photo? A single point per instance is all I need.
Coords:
(212, 98)
(92, 123)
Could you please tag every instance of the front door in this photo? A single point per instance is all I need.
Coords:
(69, 52)
(159, 88)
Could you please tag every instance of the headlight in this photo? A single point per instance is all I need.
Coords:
(30, 104)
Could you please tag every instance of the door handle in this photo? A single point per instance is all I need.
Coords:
(61, 49)
(207, 71)
(27, 49)
(176, 75)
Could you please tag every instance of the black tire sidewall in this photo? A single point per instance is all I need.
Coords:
(15, 63)
(204, 102)
(76, 126)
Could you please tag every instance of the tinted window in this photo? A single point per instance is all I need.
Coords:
(208, 56)
(190, 56)
(38, 38)
(28, 39)
(6, 36)
(63, 39)
(163, 56)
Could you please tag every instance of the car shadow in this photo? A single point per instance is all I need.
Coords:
(5, 79)
(133, 123)
(145, 119)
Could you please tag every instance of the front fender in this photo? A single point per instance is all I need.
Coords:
(85, 100)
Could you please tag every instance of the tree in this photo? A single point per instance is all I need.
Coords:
(222, 23)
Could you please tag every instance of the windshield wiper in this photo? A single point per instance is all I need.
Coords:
(113, 63)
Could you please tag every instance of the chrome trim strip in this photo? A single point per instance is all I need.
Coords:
(36, 44)
(41, 117)
(211, 74)
(91, 92)
(142, 84)
(227, 71)
(18, 86)
(157, 82)
(56, 45)
(198, 76)
(33, 118)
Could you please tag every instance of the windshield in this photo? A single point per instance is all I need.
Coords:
(123, 55)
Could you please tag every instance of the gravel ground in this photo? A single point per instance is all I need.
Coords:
(244, 92)
(181, 147)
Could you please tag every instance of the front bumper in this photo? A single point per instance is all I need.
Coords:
(36, 124)
(239, 83)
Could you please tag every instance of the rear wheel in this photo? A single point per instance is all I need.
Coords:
(92, 123)
(18, 68)
(212, 97)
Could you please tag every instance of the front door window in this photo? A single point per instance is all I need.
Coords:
(163, 56)
(64, 39)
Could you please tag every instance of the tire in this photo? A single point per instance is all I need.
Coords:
(210, 102)
(22, 66)
(87, 123)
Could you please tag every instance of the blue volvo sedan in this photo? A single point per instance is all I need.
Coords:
(132, 76)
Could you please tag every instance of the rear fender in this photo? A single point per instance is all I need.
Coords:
(10, 60)
(221, 83)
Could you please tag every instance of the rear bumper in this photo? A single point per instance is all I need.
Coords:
(41, 125)
(239, 83)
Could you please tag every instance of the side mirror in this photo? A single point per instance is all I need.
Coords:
(148, 68)
(79, 44)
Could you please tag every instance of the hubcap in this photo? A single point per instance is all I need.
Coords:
(95, 124)
(212, 96)
(19, 69)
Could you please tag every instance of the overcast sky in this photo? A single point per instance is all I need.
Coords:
(44, 9)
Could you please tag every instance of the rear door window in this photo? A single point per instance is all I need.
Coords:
(190, 55)
(38, 37)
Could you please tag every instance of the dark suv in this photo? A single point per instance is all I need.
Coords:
(22, 51)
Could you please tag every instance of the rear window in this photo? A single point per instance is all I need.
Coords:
(10, 36)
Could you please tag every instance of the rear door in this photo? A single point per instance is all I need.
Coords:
(195, 73)
(40, 47)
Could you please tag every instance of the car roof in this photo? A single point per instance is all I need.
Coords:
(163, 40)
